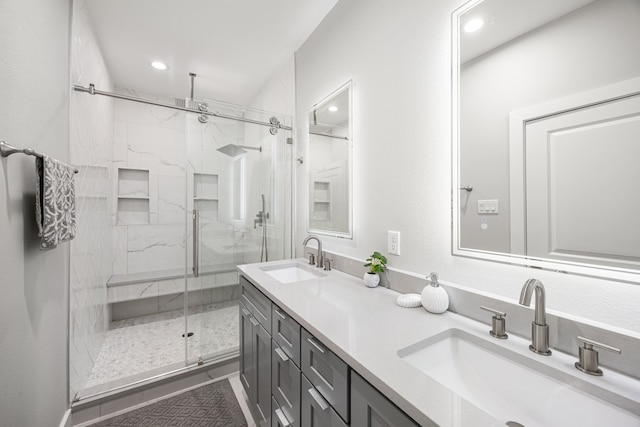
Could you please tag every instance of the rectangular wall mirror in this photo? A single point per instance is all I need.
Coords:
(329, 165)
(546, 134)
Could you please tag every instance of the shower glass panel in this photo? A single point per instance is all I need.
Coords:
(236, 172)
(158, 310)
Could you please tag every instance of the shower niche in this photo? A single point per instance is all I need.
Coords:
(205, 195)
(133, 196)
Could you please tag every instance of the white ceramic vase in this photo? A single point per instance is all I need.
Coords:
(371, 280)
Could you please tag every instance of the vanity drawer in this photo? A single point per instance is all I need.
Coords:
(286, 332)
(278, 419)
(285, 385)
(369, 407)
(327, 372)
(255, 301)
(315, 410)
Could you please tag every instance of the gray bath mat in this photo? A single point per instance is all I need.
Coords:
(211, 405)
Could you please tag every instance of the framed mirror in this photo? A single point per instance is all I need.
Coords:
(329, 158)
(546, 135)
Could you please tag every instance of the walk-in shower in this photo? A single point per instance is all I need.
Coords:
(175, 214)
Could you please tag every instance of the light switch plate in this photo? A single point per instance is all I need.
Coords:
(488, 206)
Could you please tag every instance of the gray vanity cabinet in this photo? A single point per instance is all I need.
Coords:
(369, 408)
(293, 380)
(255, 351)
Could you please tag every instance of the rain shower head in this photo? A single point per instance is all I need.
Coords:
(234, 150)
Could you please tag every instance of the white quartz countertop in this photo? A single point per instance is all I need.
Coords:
(366, 329)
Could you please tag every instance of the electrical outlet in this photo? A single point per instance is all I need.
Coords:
(393, 243)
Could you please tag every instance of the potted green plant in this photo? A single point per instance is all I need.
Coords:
(377, 263)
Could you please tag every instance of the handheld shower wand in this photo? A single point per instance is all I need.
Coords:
(261, 220)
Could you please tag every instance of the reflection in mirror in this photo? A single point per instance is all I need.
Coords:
(329, 164)
(547, 134)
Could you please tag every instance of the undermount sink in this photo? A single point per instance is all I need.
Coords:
(496, 380)
(289, 273)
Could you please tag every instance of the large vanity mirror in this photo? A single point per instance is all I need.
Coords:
(329, 165)
(546, 134)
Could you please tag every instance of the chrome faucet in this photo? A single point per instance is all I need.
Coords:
(319, 257)
(539, 327)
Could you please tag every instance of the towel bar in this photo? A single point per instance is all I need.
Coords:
(6, 150)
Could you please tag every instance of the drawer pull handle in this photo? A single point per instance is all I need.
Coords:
(282, 354)
(279, 313)
(284, 422)
(316, 345)
(253, 320)
(319, 399)
(245, 312)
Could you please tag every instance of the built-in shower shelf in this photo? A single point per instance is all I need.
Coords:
(133, 196)
(205, 196)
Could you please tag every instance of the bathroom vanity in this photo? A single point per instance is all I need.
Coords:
(319, 348)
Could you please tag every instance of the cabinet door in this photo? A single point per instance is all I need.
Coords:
(285, 379)
(256, 302)
(327, 372)
(369, 408)
(315, 411)
(247, 365)
(278, 419)
(262, 354)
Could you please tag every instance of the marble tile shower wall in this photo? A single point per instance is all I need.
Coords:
(156, 152)
(91, 151)
(149, 188)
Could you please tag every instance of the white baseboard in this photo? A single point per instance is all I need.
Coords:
(66, 419)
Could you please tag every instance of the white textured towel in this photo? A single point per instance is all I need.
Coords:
(55, 202)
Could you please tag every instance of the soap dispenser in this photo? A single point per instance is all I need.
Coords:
(434, 298)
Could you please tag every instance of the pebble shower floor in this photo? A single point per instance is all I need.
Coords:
(151, 342)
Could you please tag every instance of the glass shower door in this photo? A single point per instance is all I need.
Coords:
(236, 178)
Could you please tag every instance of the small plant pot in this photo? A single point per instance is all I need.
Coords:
(371, 280)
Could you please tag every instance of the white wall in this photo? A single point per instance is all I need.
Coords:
(570, 55)
(278, 96)
(34, 87)
(399, 57)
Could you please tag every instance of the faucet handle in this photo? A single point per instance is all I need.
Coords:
(312, 258)
(497, 323)
(588, 356)
(327, 263)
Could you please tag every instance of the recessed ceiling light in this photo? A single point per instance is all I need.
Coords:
(159, 65)
(473, 25)
(333, 108)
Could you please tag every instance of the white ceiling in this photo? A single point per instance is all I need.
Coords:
(233, 46)
(507, 19)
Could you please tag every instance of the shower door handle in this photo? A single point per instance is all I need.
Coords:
(196, 243)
